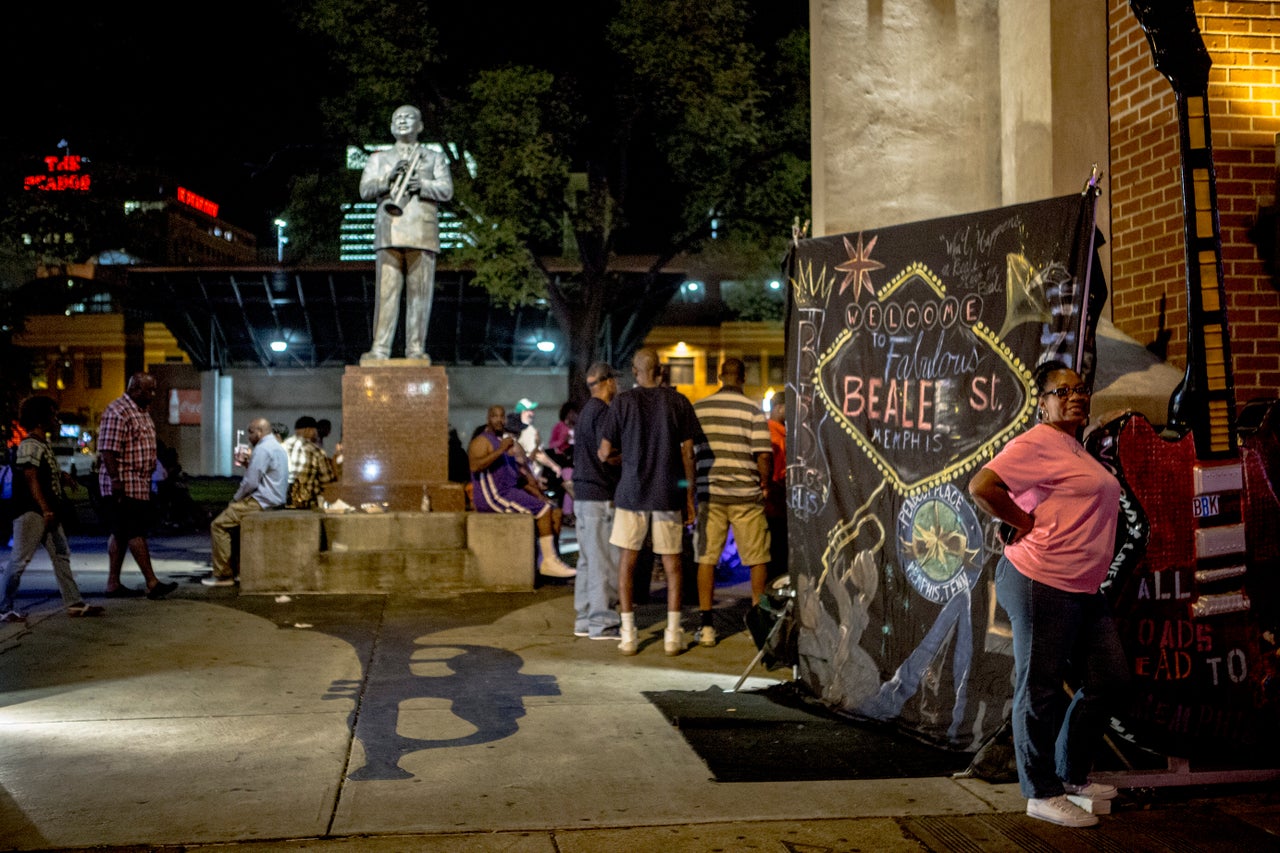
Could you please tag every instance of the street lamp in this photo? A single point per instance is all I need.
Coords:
(280, 239)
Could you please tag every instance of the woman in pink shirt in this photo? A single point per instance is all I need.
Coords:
(1059, 506)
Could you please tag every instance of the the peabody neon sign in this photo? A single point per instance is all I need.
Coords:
(62, 173)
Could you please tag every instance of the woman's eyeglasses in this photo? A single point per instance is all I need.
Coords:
(1064, 392)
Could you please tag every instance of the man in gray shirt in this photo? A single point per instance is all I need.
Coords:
(265, 486)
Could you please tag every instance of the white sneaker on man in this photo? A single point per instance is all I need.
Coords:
(706, 636)
(217, 581)
(554, 568)
(1092, 790)
(673, 641)
(1060, 810)
(630, 641)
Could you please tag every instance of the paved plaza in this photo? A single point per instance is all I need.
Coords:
(477, 722)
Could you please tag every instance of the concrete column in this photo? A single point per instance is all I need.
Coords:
(1026, 101)
(217, 431)
(928, 108)
(905, 110)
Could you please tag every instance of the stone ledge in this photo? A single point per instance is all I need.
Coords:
(421, 554)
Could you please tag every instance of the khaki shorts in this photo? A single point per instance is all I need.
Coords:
(750, 531)
(630, 527)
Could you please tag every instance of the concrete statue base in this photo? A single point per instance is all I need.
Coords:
(395, 436)
(426, 554)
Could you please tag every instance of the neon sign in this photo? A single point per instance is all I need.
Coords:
(62, 173)
(200, 203)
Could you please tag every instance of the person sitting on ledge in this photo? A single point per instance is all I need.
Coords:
(501, 482)
(309, 468)
(265, 486)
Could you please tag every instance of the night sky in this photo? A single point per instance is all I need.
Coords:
(209, 100)
(223, 97)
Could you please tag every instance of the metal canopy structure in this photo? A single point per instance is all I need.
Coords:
(229, 317)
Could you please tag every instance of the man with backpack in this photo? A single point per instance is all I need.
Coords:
(37, 497)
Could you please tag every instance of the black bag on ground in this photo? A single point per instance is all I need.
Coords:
(780, 647)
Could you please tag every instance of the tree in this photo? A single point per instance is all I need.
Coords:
(611, 129)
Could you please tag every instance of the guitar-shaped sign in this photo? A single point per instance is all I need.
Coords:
(1180, 583)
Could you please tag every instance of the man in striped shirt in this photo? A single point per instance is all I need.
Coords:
(735, 465)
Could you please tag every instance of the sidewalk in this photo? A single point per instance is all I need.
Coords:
(472, 723)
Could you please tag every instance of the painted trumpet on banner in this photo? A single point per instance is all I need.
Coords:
(400, 186)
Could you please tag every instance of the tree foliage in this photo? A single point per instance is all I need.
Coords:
(610, 128)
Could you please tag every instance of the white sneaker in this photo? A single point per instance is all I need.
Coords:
(1060, 810)
(674, 642)
(1092, 790)
(553, 568)
(630, 641)
(706, 636)
(216, 581)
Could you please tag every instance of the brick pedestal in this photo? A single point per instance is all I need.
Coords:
(395, 436)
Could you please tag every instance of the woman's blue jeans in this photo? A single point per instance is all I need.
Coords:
(1059, 638)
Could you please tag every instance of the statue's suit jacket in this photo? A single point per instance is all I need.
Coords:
(418, 226)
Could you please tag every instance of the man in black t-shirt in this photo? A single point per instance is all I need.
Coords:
(595, 592)
(653, 428)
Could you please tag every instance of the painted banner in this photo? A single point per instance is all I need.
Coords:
(909, 358)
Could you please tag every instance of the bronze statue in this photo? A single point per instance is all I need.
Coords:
(407, 180)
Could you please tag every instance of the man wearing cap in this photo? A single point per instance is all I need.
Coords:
(501, 482)
(595, 593)
(309, 468)
(531, 440)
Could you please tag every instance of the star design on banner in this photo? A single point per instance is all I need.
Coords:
(859, 267)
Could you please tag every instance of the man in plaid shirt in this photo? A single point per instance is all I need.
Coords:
(127, 451)
(309, 467)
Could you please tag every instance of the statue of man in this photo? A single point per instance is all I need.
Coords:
(407, 180)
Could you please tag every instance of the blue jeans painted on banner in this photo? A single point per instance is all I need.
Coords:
(28, 535)
(595, 590)
(1059, 636)
(888, 702)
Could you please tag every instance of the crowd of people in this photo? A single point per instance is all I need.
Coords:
(632, 470)
(644, 470)
(641, 471)
(140, 486)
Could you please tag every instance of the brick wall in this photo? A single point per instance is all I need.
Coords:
(1243, 40)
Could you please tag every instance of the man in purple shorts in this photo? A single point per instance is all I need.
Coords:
(502, 482)
(127, 451)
